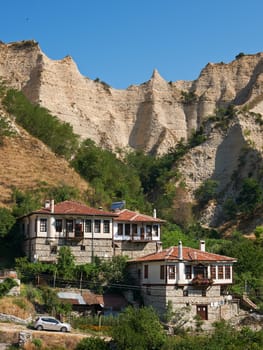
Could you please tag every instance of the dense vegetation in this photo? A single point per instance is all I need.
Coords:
(143, 181)
(141, 330)
(99, 276)
(39, 123)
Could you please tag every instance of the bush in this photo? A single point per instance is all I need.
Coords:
(92, 343)
(241, 54)
(140, 329)
(250, 196)
(206, 192)
(188, 97)
(5, 129)
(6, 286)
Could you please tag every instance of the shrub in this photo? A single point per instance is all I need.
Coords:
(7, 285)
(241, 54)
(188, 97)
(206, 192)
(138, 328)
(5, 129)
(92, 343)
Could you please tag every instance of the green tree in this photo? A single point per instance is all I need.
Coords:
(115, 271)
(207, 191)
(62, 193)
(7, 221)
(110, 177)
(172, 234)
(138, 328)
(250, 196)
(249, 265)
(188, 97)
(230, 208)
(40, 123)
(52, 302)
(29, 271)
(66, 263)
(25, 202)
(241, 54)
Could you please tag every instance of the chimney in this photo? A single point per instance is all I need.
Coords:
(52, 205)
(202, 246)
(47, 204)
(180, 250)
(154, 213)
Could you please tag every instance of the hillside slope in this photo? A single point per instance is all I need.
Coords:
(26, 164)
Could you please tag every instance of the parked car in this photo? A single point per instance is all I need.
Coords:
(51, 324)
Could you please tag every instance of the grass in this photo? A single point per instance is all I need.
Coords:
(16, 306)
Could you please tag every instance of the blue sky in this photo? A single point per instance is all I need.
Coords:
(122, 41)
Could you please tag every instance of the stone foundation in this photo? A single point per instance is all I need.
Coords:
(218, 306)
(44, 250)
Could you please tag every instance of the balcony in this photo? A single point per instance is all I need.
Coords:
(202, 281)
(142, 237)
(75, 236)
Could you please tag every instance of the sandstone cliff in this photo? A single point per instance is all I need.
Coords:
(152, 116)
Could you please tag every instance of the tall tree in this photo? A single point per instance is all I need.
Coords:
(140, 329)
(66, 263)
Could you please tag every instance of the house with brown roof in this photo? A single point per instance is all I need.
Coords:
(87, 302)
(187, 277)
(136, 234)
(88, 231)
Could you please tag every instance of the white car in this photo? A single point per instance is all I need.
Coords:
(51, 324)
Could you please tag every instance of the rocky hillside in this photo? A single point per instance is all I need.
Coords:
(151, 116)
(155, 115)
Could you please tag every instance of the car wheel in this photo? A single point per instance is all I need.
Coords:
(39, 328)
(63, 329)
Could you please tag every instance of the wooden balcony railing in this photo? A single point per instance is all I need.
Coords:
(142, 237)
(75, 236)
(202, 281)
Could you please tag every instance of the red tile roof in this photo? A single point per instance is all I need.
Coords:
(189, 254)
(75, 208)
(132, 216)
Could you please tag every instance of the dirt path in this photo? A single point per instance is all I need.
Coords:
(9, 334)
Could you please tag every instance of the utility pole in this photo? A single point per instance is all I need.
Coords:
(54, 279)
(80, 282)
(92, 243)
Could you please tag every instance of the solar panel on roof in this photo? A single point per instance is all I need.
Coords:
(118, 205)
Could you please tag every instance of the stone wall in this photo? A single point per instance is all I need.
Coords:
(218, 306)
(85, 248)
(135, 249)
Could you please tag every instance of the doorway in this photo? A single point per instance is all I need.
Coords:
(201, 310)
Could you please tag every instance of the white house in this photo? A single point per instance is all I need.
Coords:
(187, 277)
(88, 231)
(136, 234)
